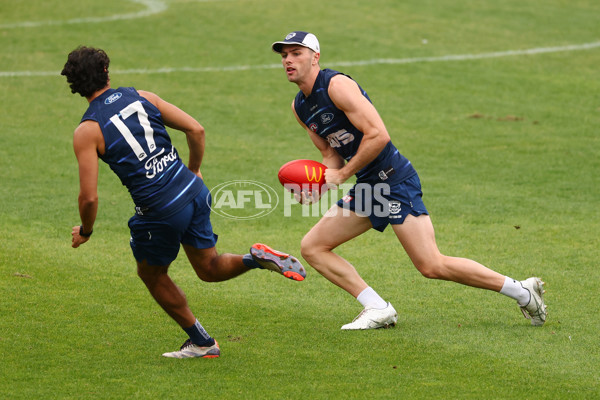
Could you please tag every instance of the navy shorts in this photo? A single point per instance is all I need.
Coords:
(384, 203)
(158, 240)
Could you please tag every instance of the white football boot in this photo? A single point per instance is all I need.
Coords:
(372, 318)
(535, 310)
(191, 350)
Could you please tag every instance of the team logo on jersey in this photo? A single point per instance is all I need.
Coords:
(326, 118)
(313, 127)
(113, 97)
(395, 207)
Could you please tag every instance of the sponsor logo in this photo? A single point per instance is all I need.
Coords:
(313, 127)
(113, 97)
(291, 35)
(314, 177)
(340, 138)
(156, 165)
(326, 118)
(141, 210)
(383, 175)
(242, 199)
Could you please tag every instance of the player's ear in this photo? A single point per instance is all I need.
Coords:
(316, 57)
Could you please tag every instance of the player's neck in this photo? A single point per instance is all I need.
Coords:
(98, 93)
(306, 86)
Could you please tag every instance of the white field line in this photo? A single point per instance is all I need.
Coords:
(152, 7)
(375, 61)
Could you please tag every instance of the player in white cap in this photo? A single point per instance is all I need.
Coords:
(353, 140)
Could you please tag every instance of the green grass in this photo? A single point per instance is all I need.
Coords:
(507, 149)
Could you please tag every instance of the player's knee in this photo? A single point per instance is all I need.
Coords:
(430, 269)
(309, 249)
(305, 248)
(207, 271)
(206, 277)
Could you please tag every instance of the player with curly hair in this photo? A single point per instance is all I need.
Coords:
(126, 128)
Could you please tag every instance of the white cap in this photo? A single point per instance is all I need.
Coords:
(301, 38)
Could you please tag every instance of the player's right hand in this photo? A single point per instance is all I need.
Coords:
(306, 197)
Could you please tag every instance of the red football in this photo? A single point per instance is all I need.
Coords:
(308, 174)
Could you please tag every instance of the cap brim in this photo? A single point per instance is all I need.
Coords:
(278, 46)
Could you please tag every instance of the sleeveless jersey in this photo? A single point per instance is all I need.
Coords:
(321, 116)
(139, 150)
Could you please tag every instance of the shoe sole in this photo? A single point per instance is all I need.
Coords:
(283, 262)
(384, 326)
(389, 323)
(213, 353)
(387, 326)
(167, 355)
(210, 356)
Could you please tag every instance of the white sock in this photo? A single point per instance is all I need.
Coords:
(370, 298)
(515, 290)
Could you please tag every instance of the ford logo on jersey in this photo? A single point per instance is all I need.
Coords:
(112, 98)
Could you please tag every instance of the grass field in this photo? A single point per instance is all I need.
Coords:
(496, 104)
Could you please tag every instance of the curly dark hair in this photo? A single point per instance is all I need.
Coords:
(86, 70)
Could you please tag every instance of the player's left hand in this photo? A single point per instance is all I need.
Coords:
(77, 238)
(198, 173)
(335, 176)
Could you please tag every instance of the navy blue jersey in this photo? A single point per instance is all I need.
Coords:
(139, 150)
(321, 116)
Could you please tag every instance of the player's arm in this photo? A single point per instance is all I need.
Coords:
(175, 118)
(346, 95)
(87, 140)
(330, 157)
